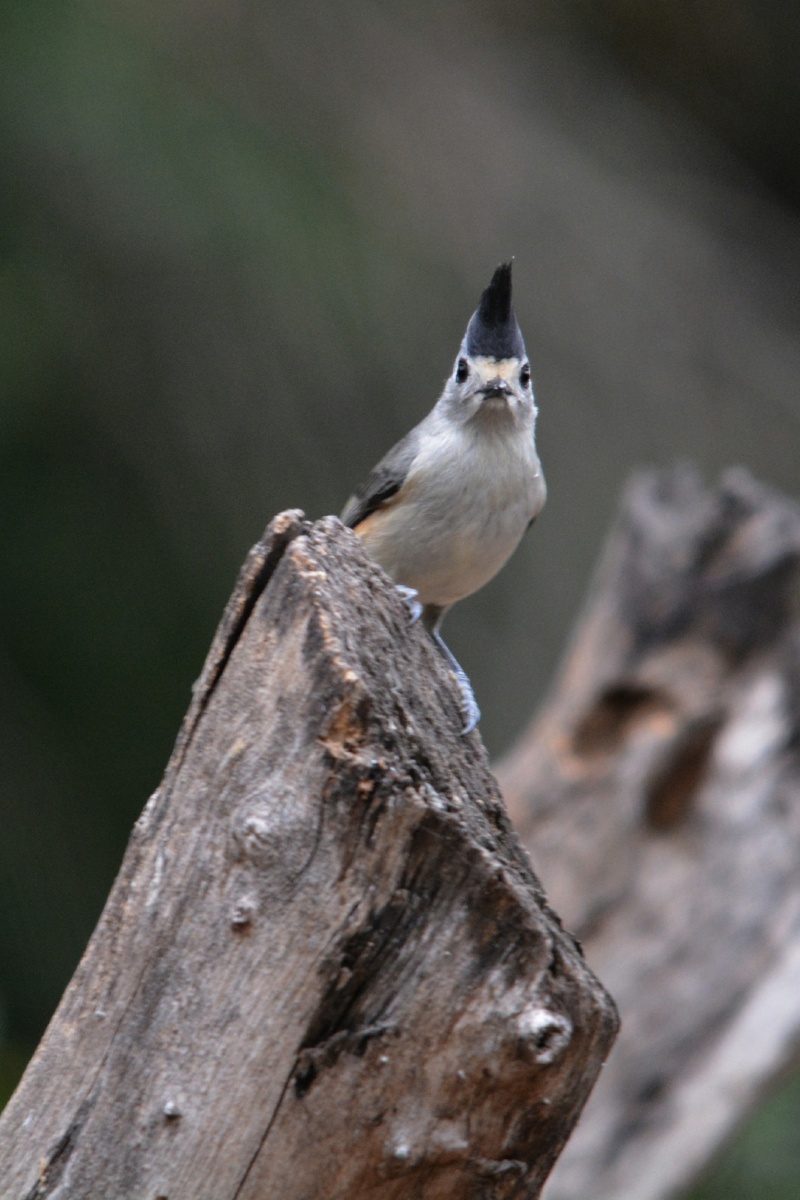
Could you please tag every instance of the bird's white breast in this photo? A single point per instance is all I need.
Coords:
(468, 499)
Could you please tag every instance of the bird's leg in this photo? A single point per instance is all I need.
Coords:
(432, 619)
(411, 597)
(473, 713)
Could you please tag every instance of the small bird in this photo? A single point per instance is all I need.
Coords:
(445, 509)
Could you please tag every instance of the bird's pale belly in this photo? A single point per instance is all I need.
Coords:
(466, 562)
(447, 555)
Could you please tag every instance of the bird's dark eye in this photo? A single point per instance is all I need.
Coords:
(462, 371)
(525, 375)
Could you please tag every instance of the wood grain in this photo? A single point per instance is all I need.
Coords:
(326, 968)
(659, 794)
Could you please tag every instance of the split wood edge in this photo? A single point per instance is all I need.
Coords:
(326, 966)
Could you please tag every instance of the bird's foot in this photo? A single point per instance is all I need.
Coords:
(411, 598)
(473, 713)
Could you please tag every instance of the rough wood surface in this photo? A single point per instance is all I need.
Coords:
(659, 794)
(325, 968)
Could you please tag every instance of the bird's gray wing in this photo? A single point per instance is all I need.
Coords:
(383, 481)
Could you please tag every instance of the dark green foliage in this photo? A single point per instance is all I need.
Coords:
(764, 1163)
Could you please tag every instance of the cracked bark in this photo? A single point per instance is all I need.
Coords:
(659, 794)
(326, 968)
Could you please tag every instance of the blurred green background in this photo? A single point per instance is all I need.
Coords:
(238, 247)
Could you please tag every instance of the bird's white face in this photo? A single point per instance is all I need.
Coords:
(490, 389)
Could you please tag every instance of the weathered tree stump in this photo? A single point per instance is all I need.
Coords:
(325, 968)
(659, 794)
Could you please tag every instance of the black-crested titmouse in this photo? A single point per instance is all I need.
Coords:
(445, 509)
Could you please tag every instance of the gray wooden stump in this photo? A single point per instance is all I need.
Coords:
(325, 968)
(659, 795)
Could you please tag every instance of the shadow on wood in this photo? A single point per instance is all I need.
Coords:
(325, 967)
(658, 793)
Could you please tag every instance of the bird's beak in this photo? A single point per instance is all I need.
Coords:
(495, 389)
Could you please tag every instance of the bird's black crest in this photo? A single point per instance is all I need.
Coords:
(493, 330)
